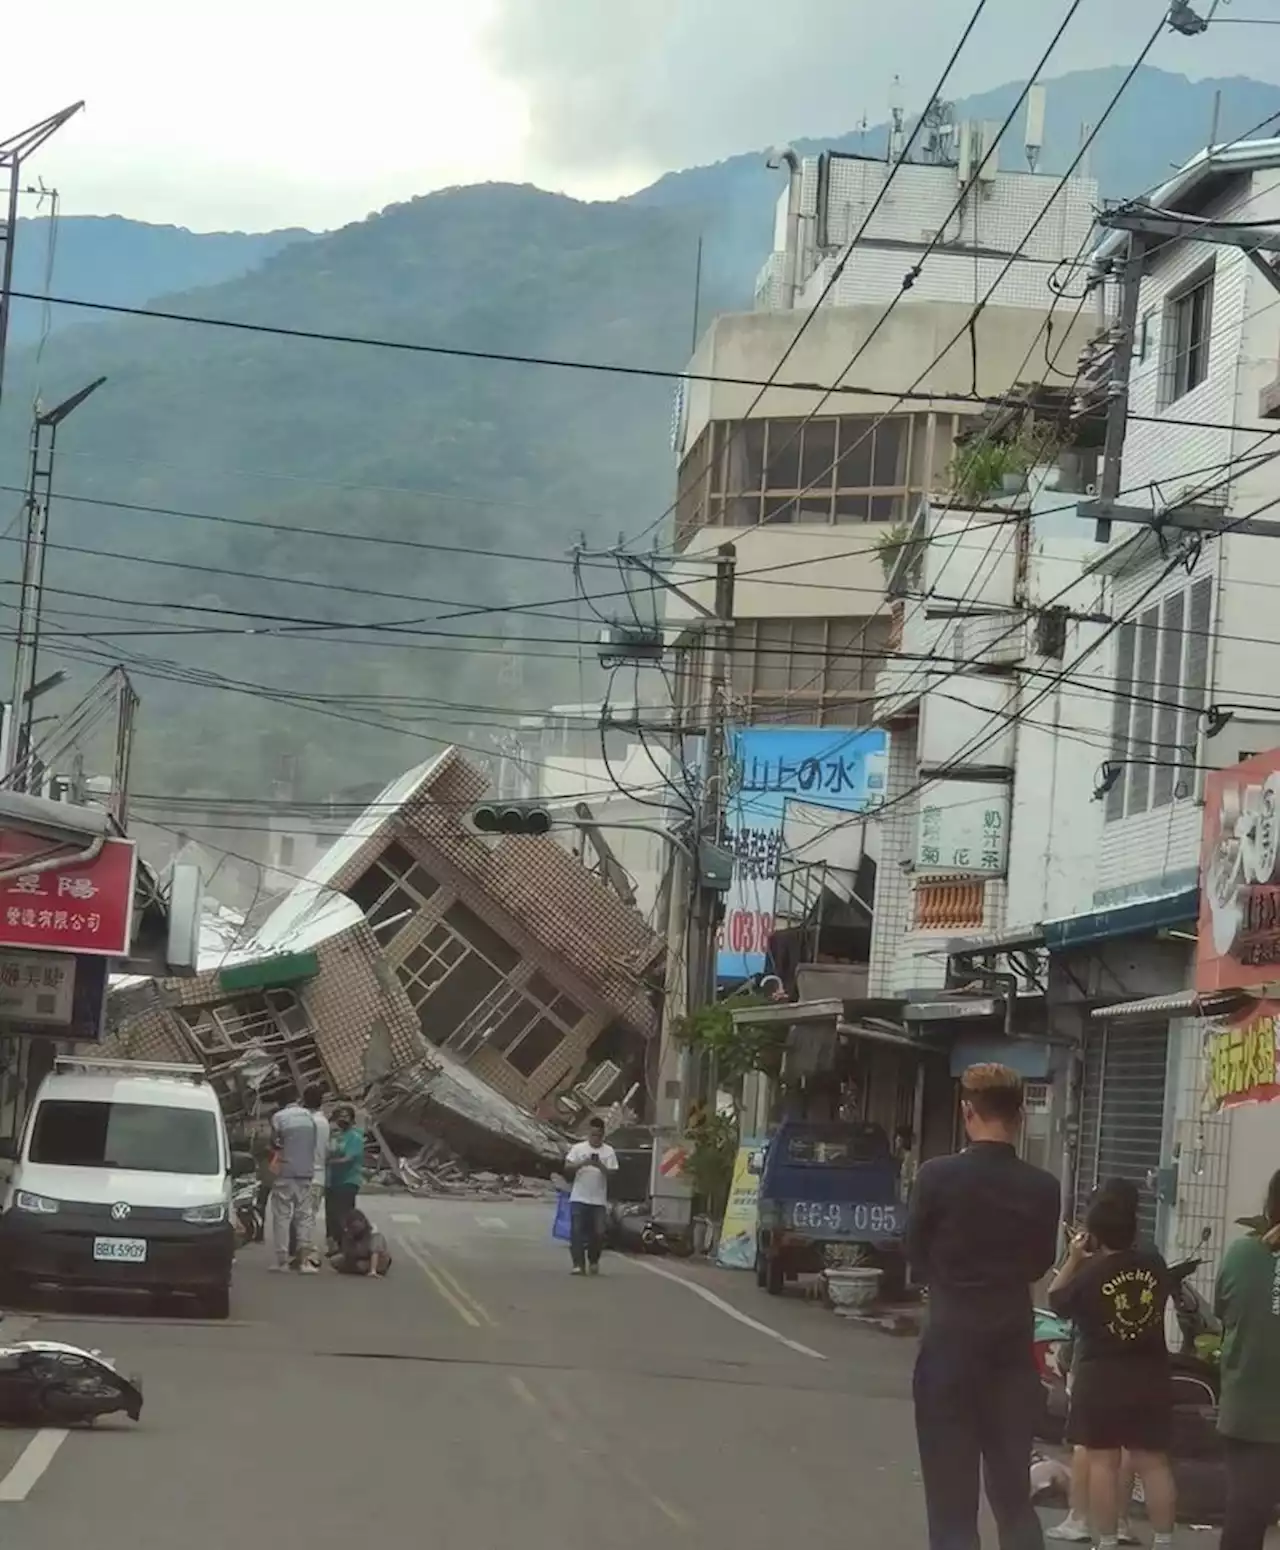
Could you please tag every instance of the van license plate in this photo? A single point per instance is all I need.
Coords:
(129, 1251)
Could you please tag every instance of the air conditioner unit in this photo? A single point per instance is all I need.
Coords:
(599, 1082)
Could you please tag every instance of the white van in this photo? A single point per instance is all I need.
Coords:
(121, 1181)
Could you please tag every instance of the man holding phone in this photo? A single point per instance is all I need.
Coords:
(589, 1164)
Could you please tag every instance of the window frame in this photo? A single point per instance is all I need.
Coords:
(1186, 336)
(1140, 677)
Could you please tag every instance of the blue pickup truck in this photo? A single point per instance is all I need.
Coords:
(827, 1183)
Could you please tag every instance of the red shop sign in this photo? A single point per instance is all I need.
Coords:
(84, 907)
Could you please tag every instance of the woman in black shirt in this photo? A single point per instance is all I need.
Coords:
(1120, 1400)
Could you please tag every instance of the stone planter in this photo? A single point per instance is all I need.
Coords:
(853, 1291)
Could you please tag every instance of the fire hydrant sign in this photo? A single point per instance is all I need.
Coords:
(82, 907)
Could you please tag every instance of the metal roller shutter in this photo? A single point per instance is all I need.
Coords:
(1122, 1110)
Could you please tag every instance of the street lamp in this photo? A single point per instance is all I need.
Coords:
(44, 437)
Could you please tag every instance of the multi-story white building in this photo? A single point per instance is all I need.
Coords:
(1103, 724)
(815, 486)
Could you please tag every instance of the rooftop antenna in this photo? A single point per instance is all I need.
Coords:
(1034, 140)
(1084, 170)
(897, 114)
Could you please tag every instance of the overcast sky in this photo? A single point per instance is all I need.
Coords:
(251, 114)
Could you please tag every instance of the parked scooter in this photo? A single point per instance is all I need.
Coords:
(47, 1383)
(245, 1214)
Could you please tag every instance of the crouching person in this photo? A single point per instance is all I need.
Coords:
(362, 1250)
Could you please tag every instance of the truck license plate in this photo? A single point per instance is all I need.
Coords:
(129, 1251)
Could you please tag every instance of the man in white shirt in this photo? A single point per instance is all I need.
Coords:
(589, 1164)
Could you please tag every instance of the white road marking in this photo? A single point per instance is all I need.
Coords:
(726, 1307)
(35, 1458)
(493, 1222)
(405, 1216)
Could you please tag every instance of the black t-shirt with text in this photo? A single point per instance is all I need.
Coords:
(1117, 1303)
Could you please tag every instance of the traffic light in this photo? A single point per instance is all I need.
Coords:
(511, 818)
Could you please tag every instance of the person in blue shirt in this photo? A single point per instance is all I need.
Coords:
(346, 1172)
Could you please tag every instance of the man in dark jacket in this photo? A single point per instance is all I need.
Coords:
(983, 1229)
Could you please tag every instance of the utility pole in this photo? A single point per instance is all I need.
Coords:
(13, 152)
(1118, 384)
(44, 438)
(715, 766)
(1145, 226)
(695, 906)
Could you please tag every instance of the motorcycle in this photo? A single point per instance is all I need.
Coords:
(48, 1383)
(245, 1213)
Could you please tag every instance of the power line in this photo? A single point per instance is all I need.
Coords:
(839, 267)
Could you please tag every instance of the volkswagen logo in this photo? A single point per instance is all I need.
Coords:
(120, 1210)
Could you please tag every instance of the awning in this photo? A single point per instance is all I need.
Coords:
(1141, 918)
(878, 1035)
(954, 1009)
(1178, 1003)
(790, 1012)
(270, 973)
(1016, 940)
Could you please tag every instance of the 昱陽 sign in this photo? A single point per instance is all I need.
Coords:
(1242, 1060)
(85, 907)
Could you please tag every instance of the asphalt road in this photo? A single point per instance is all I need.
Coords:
(481, 1397)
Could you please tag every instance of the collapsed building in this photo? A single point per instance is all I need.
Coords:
(463, 986)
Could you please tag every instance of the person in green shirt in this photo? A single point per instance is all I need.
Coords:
(346, 1171)
(1248, 1303)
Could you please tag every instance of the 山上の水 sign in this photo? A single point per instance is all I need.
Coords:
(777, 769)
(81, 907)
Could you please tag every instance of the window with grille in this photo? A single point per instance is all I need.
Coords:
(846, 469)
(1161, 691)
(532, 1023)
(808, 672)
(450, 972)
(1186, 334)
(391, 891)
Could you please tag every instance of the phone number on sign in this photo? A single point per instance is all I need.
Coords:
(747, 931)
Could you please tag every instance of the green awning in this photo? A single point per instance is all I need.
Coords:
(268, 973)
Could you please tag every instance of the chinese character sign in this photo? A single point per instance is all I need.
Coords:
(1242, 1058)
(1238, 943)
(963, 828)
(84, 907)
(840, 769)
(37, 988)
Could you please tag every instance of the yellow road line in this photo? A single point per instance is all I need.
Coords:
(458, 1306)
(469, 1298)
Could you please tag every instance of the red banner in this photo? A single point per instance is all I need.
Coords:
(1238, 943)
(84, 907)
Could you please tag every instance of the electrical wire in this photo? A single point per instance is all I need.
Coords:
(838, 268)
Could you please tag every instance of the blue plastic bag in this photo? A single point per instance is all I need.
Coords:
(561, 1227)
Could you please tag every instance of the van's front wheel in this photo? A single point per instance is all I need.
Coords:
(215, 1304)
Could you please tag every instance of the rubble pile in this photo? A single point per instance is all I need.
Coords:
(436, 1169)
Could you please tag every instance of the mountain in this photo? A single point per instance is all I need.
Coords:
(417, 448)
(219, 431)
(126, 262)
